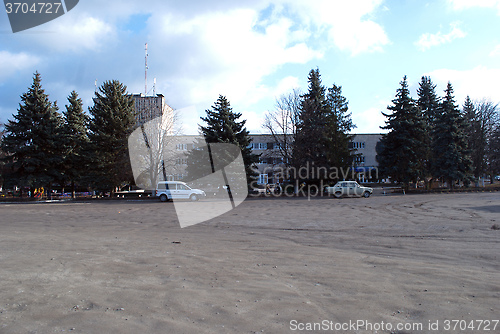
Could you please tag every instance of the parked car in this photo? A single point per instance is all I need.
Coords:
(169, 190)
(349, 189)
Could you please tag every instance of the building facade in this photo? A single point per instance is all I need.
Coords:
(272, 161)
(272, 157)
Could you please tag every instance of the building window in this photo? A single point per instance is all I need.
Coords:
(181, 147)
(359, 159)
(357, 145)
(258, 146)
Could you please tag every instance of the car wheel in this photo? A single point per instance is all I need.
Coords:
(163, 198)
(193, 197)
(338, 194)
(366, 194)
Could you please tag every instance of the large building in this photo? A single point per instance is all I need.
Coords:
(271, 163)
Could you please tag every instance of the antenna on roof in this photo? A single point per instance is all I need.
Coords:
(154, 87)
(146, 72)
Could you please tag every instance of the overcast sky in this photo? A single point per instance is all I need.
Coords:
(252, 51)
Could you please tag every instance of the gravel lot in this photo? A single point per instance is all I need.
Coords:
(272, 265)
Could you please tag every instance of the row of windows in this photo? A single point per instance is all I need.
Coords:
(266, 146)
(359, 159)
(261, 146)
(271, 161)
(357, 145)
(175, 177)
(182, 147)
(276, 161)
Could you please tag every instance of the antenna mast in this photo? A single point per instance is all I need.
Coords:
(146, 72)
(154, 87)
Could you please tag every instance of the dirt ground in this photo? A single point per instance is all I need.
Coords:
(269, 266)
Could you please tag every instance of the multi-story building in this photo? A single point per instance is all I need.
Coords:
(366, 161)
(272, 157)
(272, 161)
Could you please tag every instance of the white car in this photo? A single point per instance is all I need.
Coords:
(349, 189)
(169, 190)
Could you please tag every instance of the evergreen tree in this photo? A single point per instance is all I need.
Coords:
(311, 145)
(476, 138)
(428, 103)
(112, 119)
(222, 126)
(338, 127)
(75, 139)
(33, 141)
(402, 149)
(451, 161)
(2, 155)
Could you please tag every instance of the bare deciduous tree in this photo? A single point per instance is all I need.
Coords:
(281, 123)
(152, 149)
(482, 120)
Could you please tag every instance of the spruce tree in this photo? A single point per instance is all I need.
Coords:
(402, 149)
(75, 140)
(311, 145)
(222, 126)
(451, 161)
(337, 131)
(2, 155)
(33, 142)
(428, 103)
(112, 118)
(476, 138)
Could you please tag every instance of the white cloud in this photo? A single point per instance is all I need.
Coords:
(347, 23)
(232, 51)
(479, 82)
(496, 51)
(223, 53)
(254, 121)
(12, 63)
(286, 85)
(466, 4)
(370, 120)
(427, 40)
(199, 49)
(77, 33)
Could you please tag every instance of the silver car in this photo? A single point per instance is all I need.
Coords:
(349, 189)
(169, 190)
